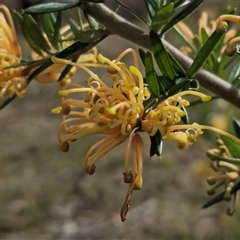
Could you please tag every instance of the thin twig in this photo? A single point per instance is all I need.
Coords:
(119, 26)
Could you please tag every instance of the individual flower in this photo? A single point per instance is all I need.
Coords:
(114, 110)
(228, 174)
(166, 116)
(12, 80)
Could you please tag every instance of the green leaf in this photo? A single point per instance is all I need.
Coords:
(186, 41)
(150, 11)
(180, 84)
(154, 4)
(177, 67)
(90, 35)
(156, 144)
(57, 30)
(204, 52)
(161, 17)
(233, 148)
(132, 12)
(192, 6)
(185, 118)
(67, 69)
(55, 6)
(74, 26)
(235, 72)
(236, 127)
(161, 56)
(163, 84)
(35, 33)
(49, 22)
(35, 47)
(151, 77)
(142, 55)
(181, 3)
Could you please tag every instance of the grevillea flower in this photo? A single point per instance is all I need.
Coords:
(12, 80)
(114, 110)
(229, 174)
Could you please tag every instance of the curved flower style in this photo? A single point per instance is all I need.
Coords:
(12, 80)
(228, 177)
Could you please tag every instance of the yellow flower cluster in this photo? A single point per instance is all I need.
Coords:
(14, 80)
(11, 80)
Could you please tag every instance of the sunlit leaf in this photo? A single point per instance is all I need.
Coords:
(162, 16)
(151, 77)
(161, 56)
(204, 52)
(233, 148)
(192, 6)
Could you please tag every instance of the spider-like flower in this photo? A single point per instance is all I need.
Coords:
(229, 174)
(12, 80)
(115, 111)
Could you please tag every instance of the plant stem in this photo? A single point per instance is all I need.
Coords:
(117, 25)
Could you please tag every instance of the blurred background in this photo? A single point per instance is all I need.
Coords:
(46, 194)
